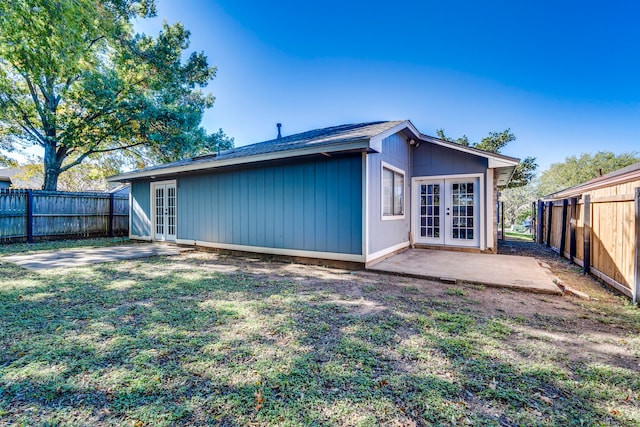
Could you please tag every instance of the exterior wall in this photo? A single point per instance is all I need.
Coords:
(312, 205)
(385, 234)
(433, 160)
(140, 209)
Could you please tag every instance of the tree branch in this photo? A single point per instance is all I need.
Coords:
(83, 156)
(28, 126)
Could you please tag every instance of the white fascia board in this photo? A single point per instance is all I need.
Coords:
(501, 163)
(376, 142)
(213, 164)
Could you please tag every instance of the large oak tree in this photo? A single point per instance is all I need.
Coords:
(77, 80)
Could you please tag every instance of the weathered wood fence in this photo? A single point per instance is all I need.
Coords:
(32, 215)
(598, 230)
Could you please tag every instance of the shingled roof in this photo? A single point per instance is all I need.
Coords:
(350, 137)
(314, 138)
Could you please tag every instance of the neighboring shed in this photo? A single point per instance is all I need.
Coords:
(355, 193)
(5, 182)
(597, 225)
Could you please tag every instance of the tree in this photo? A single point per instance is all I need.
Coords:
(517, 203)
(76, 80)
(578, 169)
(495, 142)
(7, 162)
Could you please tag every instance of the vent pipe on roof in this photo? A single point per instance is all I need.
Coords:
(279, 126)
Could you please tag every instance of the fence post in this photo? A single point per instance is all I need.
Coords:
(587, 234)
(572, 229)
(29, 216)
(111, 208)
(563, 236)
(549, 222)
(636, 290)
(540, 222)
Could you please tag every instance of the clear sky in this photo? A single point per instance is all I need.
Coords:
(563, 75)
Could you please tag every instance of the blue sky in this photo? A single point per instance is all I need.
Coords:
(564, 76)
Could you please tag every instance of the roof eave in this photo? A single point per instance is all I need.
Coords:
(495, 160)
(217, 163)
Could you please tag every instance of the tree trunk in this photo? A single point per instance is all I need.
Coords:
(51, 168)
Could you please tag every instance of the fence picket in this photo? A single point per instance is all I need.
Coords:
(60, 214)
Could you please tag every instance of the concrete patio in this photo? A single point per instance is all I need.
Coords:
(504, 271)
(85, 256)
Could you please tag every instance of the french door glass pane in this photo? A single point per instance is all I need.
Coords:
(171, 211)
(430, 210)
(159, 210)
(463, 203)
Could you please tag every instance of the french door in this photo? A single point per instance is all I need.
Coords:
(164, 202)
(447, 211)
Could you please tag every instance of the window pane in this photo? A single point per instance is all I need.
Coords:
(387, 192)
(393, 193)
(398, 199)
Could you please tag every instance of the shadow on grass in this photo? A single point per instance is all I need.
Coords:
(169, 341)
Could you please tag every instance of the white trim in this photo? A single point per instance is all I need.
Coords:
(152, 212)
(482, 207)
(383, 252)
(365, 205)
(275, 251)
(384, 165)
(136, 237)
(213, 164)
(490, 210)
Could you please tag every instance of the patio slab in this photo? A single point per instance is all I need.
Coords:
(504, 271)
(77, 257)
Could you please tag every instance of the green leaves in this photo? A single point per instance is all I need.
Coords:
(494, 143)
(578, 169)
(76, 80)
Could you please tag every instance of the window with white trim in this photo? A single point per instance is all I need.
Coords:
(392, 192)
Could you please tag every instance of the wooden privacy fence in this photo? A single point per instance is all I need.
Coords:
(599, 230)
(30, 215)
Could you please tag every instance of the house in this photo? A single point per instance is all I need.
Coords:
(596, 225)
(355, 193)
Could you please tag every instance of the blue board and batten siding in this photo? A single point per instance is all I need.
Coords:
(384, 234)
(311, 205)
(140, 209)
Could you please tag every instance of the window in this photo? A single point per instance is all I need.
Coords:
(392, 192)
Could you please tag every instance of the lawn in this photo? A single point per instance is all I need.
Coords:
(518, 236)
(206, 339)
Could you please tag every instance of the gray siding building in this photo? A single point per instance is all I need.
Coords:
(356, 193)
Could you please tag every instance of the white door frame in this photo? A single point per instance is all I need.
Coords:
(415, 211)
(165, 236)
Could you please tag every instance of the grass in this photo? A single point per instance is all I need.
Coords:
(202, 339)
(518, 236)
(27, 248)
